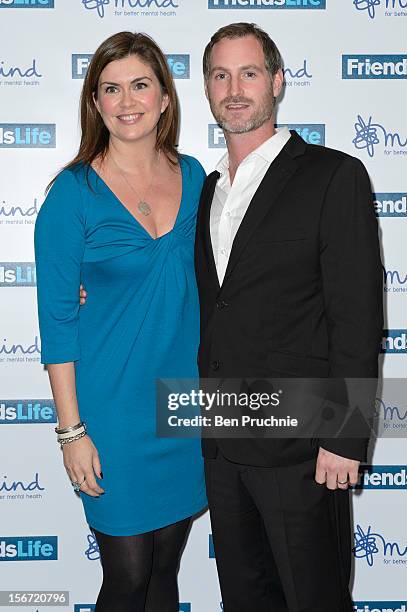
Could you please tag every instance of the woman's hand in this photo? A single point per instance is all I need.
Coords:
(81, 461)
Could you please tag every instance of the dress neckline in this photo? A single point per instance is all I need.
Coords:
(130, 214)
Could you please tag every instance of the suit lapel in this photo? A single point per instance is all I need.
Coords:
(274, 181)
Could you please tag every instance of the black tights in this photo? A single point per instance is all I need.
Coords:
(140, 571)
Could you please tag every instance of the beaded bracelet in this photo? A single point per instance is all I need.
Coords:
(69, 440)
(75, 433)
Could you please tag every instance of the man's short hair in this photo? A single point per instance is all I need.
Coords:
(272, 56)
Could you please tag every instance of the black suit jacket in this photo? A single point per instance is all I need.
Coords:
(302, 293)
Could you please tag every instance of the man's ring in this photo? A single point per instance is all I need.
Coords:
(77, 485)
(342, 481)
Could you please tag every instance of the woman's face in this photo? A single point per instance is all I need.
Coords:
(130, 100)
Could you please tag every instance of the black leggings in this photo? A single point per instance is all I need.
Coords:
(140, 571)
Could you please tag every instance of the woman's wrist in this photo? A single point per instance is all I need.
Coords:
(70, 434)
(64, 422)
(69, 428)
(70, 441)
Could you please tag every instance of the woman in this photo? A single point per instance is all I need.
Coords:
(121, 219)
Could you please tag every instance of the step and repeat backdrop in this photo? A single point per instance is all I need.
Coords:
(345, 71)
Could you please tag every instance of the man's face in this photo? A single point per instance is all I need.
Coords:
(239, 88)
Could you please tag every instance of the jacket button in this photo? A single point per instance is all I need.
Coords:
(215, 365)
(221, 304)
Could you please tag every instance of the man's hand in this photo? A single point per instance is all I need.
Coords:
(333, 470)
(82, 295)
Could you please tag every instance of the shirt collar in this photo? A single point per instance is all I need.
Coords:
(267, 150)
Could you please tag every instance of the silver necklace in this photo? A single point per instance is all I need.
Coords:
(142, 205)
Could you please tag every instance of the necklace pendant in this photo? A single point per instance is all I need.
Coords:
(144, 208)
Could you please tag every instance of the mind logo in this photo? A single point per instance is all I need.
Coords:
(96, 5)
(395, 281)
(298, 76)
(369, 544)
(391, 8)
(92, 552)
(368, 135)
(26, 74)
(126, 8)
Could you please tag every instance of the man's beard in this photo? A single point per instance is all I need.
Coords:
(262, 113)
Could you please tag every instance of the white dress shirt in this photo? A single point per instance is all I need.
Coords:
(230, 202)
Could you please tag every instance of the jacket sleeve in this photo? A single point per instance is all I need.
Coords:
(59, 246)
(353, 293)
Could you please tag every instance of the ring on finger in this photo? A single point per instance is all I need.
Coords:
(342, 482)
(77, 485)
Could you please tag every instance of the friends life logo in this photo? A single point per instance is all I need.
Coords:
(267, 4)
(394, 281)
(19, 353)
(298, 76)
(369, 136)
(29, 548)
(374, 66)
(380, 606)
(22, 75)
(394, 341)
(372, 546)
(14, 490)
(131, 8)
(17, 274)
(389, 204)
(390, 417)
(380, 477)
(27, 135)
(312, 133)
(385, 8)
(179, 65)
(27, 4)
(27, 411)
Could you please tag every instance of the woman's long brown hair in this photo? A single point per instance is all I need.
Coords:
(94, 134)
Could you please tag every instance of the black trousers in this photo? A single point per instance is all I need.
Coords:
(282, 542)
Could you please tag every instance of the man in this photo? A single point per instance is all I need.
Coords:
(289, 276)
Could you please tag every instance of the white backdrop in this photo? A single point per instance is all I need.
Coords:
(356, 104)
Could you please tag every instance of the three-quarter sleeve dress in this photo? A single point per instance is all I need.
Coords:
(140, 322)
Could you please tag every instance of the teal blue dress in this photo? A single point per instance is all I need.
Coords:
(140, 322)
